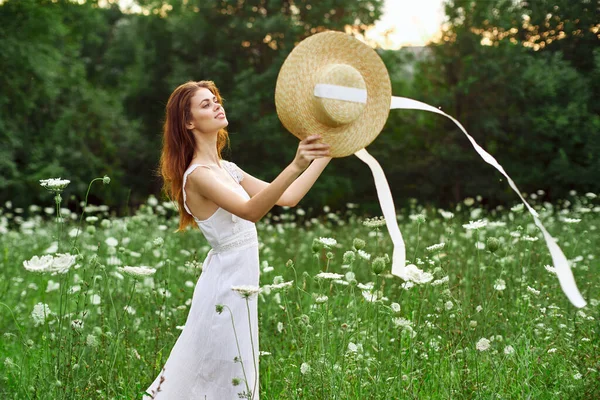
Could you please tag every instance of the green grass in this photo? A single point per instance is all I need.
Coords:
(352, 348)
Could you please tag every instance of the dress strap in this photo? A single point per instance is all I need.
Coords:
(233, 170)
(185, 175)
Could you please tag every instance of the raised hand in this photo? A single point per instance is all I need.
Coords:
(309, 150)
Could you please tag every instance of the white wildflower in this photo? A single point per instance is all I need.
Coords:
(449, 305)
(446, 214)
(532, 290)
(509, 350)
(61, 263)
(111, 241)
(440, 281)
(572, 220)
(500, 285)
(550, 269)
(475, 225)
(9, 363)
(414, 274)
(246, 291)
(364, 255)
(435, 247)
(483, 344)
(407, 285)
(518, 208)
(370, 297)
(328, 275)
(395, 307)
(321, 299)
(38, 264)
(374, 222)
(304, 368)
(95, 299)
(91, 341)
(77, 324)
(402, 322)
(40, 313)
(277, 286)
(137, 272)
(418, 218)
(328, 242)
(52, 286)
(56, 185)
(129, 310)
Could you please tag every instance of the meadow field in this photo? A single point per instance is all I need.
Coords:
(484, 316)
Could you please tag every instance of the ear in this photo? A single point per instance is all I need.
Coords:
(190, 125)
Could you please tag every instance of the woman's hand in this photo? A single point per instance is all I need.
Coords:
(309, 150)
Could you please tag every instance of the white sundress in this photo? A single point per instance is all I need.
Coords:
(201, 364)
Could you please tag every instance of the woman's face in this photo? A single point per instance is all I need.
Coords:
(208, 116)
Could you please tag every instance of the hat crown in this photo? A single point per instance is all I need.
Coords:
(332, 112)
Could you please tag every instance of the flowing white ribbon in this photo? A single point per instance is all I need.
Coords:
(563, 270)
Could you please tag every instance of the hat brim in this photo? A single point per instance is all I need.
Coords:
(294, 91)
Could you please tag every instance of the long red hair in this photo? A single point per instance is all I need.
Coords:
(178, 144)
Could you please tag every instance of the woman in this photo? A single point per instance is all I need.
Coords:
(225, 202)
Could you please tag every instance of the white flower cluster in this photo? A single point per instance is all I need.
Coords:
(475, 225)
(276, 286)
(328, 275)
(499, 285)
(440, 281)
(246, 291)
(435, 247)
(374, 222)
(412, 273)
(40, 313)
(446, 214)
(327, 242)
(54, 264)
(483, 344)
(137, 272)
(55, 184)
(404, 325)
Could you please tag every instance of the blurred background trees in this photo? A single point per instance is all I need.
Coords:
(84, 86)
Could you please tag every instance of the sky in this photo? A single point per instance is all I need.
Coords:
(415, 22)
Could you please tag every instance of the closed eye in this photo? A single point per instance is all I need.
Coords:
(214, 101)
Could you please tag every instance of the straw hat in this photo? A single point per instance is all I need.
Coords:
(333, 58)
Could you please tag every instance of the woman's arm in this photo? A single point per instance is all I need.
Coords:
(296, 191)
(202, 182)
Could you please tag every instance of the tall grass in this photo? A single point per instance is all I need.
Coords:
(491, 323)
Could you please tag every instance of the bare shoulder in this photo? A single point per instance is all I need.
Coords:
(201, 179)
(208, 184)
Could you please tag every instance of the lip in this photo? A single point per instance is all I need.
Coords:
(220, 114)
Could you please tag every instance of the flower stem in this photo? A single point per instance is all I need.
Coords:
(253, 352)
(83, 211)
(238, 347)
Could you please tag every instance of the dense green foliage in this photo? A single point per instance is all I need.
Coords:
(84, 89)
